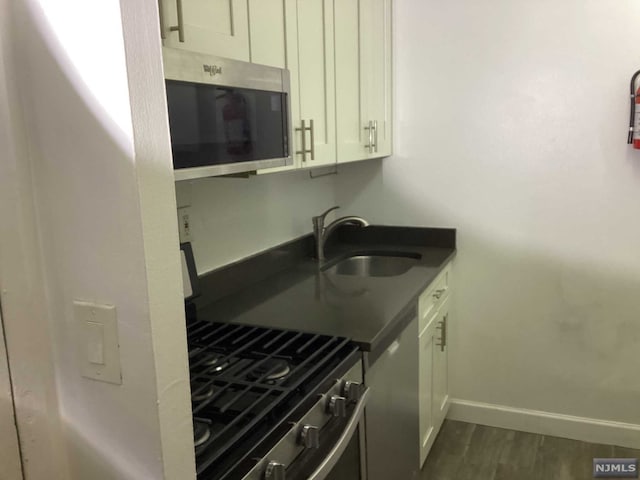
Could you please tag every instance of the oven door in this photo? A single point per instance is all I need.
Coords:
(332, 449)
(341, 455)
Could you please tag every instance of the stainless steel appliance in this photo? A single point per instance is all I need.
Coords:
(225, 116)
(392, 415)
(273, 404)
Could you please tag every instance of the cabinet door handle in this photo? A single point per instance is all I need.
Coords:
(370, 144)
(446, 329)
(303, 128)
(443, 333)
(180, 27)
(375, 135)
(313, 142)
(163, 35)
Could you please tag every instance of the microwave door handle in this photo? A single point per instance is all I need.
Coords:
(336, 452)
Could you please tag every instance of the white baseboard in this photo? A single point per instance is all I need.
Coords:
(545, 423)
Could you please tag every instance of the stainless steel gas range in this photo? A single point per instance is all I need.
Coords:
(273, 404)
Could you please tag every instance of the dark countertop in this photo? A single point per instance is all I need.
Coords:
(282, 288)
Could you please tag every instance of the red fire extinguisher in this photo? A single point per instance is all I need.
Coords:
(237, 129)
(634, 116)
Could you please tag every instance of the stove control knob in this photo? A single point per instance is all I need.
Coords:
(352, 391)
(338, 406)
(275, 471)
(310, 436)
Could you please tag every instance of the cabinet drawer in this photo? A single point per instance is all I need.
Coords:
(432, 297)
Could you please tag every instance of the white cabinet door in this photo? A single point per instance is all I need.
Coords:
(310, 55)
(267, 32)
(441, 366)
(363, 79)
(268, 35)
(427, 352)
(434, 319)
(376, 42)
(217, 27)
(352, 113)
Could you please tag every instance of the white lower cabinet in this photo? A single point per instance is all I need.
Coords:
(433, 368)
(425, 390)
(440, 399)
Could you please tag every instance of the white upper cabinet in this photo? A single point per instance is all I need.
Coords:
(351, 105)
(268, 41)
(310, 55)
(363, 79)
(338, 54)
(377, 91)
(267, 33)
(217, 27)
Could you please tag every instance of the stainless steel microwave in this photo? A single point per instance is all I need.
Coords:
(225, 116)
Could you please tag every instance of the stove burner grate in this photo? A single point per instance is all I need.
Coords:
(263, 370)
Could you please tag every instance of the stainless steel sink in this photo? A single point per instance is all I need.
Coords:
(374, 265)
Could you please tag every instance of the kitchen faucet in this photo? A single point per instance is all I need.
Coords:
(321, 233)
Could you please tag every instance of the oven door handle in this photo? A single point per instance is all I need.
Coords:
(336, 452)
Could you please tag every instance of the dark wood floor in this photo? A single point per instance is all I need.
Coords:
(464, 451)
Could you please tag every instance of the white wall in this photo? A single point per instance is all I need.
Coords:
(10, 467)
(511, 122)
(97, 170)
(26, 330)
(232, 218)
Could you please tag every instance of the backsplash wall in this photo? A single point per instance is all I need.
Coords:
(232, 218)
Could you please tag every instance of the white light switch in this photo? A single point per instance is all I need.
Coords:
(98, 349)
(95, 343)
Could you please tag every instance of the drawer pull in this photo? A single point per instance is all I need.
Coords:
(438, 293)
(443, 333)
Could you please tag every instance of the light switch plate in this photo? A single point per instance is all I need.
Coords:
(98, 348)
(184, 224)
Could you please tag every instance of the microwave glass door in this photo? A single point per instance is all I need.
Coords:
(215, 125)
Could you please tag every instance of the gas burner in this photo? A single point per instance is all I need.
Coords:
(214, 361)
(201, 433)
(203, 394)
(277, 369)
